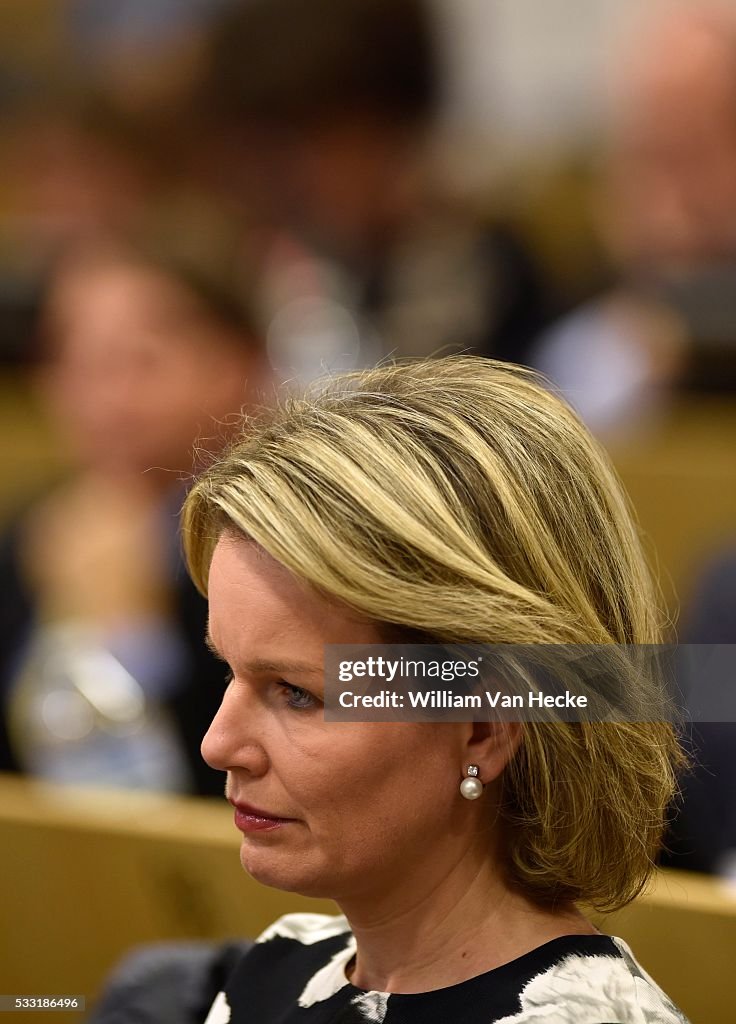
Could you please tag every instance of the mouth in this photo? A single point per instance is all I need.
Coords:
(253, 819)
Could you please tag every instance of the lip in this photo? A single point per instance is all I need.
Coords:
(252, 819)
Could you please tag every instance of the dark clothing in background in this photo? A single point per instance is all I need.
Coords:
(167, 984)
(704, 830)
(449, 284)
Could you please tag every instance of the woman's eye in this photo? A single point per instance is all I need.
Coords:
(297, 698)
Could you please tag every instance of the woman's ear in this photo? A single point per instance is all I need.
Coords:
(492, 745)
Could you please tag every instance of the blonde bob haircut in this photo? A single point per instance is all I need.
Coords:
(461, 499)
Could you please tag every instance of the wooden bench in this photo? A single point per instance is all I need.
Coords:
(681, 477)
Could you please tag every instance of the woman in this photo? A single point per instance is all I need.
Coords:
(446, 501)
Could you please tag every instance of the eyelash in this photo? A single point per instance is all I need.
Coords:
(305, 702)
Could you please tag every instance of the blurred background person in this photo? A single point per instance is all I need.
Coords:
(666, 325)
(320, 118)
(666, 211)
(103, 672)
(91, 115)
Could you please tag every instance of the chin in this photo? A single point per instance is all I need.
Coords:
(278, 871)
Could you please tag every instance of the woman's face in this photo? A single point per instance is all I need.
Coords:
(351, 805)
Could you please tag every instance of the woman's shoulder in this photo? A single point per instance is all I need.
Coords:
(594, 982)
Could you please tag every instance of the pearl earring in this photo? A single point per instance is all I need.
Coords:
(471, 788)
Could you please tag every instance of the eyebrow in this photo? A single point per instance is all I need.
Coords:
(266, 664)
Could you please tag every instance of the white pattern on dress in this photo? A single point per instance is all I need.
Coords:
(305, 928)
(657, 1005)
(219, 1011)
(311, 928)
(330, 978)
(589, 989)
(372, 1006)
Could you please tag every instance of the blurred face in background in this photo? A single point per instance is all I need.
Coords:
(671, 200)
(352, 181)
(138, 368)
(346, 183)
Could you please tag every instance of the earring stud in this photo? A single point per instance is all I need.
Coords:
(471, 787)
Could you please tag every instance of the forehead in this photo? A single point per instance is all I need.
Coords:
(143, 291)
(688, 63)
(254, 601)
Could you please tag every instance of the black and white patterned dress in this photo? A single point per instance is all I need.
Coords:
(296, 973)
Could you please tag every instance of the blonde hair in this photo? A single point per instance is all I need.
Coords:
(460, 498)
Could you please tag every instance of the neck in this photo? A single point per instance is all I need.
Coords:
(434, 930)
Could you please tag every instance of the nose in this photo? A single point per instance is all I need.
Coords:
(233, 740)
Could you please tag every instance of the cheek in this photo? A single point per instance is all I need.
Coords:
(363, 791)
